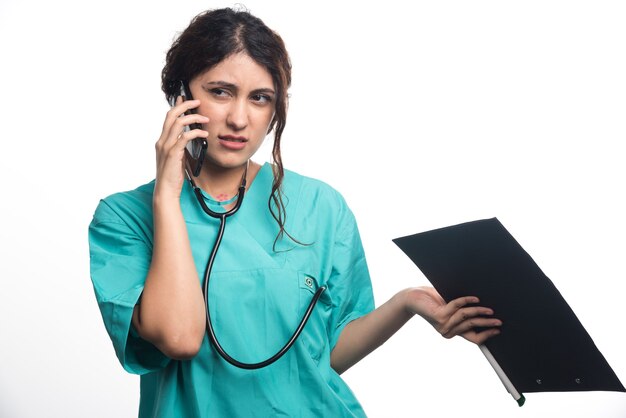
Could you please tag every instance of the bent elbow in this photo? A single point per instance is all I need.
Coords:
(175, 341)
(175, 344)
(181, 348)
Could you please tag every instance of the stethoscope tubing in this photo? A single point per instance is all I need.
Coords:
(207, 276)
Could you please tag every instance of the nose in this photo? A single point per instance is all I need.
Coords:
(237, 118)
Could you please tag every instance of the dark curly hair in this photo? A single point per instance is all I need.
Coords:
(213, 36)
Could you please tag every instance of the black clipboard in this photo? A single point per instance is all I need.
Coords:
(542, 346)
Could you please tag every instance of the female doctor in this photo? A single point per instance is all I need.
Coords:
(291, 237)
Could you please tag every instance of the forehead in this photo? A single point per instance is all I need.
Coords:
(239, 69)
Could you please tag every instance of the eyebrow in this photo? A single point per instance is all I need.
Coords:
(235, 88)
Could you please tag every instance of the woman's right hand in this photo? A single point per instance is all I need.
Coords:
(170, 148)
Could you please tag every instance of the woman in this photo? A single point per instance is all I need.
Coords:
(292, 236)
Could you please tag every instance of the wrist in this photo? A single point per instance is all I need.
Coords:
(404, 301)
(166, 206)
(164, 197)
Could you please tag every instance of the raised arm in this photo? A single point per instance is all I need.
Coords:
(459, 317)
(171, 311)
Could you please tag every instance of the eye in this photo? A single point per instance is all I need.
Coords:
(261, 98)
(219, 92)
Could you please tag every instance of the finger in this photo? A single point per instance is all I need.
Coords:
(470, 312)
(453, 306)
(170, 158)
(176, 111)
(186, 120)
(184, 137)
(481, 337)
(451, 326)
(170, 147)
(469, 325)
(179, 128)
(183, 106)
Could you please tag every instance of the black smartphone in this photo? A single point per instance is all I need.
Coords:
(196, 148)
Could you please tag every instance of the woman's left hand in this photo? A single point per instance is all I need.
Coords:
(458, 317)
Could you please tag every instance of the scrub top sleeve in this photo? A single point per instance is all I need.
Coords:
(350, 285)
(119, 262)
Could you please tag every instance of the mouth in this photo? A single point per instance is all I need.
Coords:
(232, 142)
(233, 138)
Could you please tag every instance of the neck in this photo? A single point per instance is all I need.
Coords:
(224, 183)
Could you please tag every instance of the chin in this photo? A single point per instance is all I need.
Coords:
(225, 164)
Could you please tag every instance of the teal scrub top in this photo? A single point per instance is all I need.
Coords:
(257, 297)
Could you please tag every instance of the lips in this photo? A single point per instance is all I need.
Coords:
(233, 142)
(233, 138)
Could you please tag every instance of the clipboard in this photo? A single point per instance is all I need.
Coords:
(542, 346)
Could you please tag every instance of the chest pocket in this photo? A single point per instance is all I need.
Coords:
(315, 334)
(255, 312)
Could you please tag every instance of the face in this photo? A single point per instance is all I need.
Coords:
(238, 97)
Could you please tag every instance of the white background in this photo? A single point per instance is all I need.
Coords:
(422, 115)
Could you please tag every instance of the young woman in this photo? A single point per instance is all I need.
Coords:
(291, 237)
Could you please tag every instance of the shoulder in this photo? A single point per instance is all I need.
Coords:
(312, 188)
(122, 206)
(316, 200)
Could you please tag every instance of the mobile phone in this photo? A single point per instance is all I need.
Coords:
(196, 148)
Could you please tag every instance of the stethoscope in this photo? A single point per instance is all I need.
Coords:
(207, 275)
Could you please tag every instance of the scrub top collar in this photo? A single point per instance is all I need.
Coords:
(258, 189)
